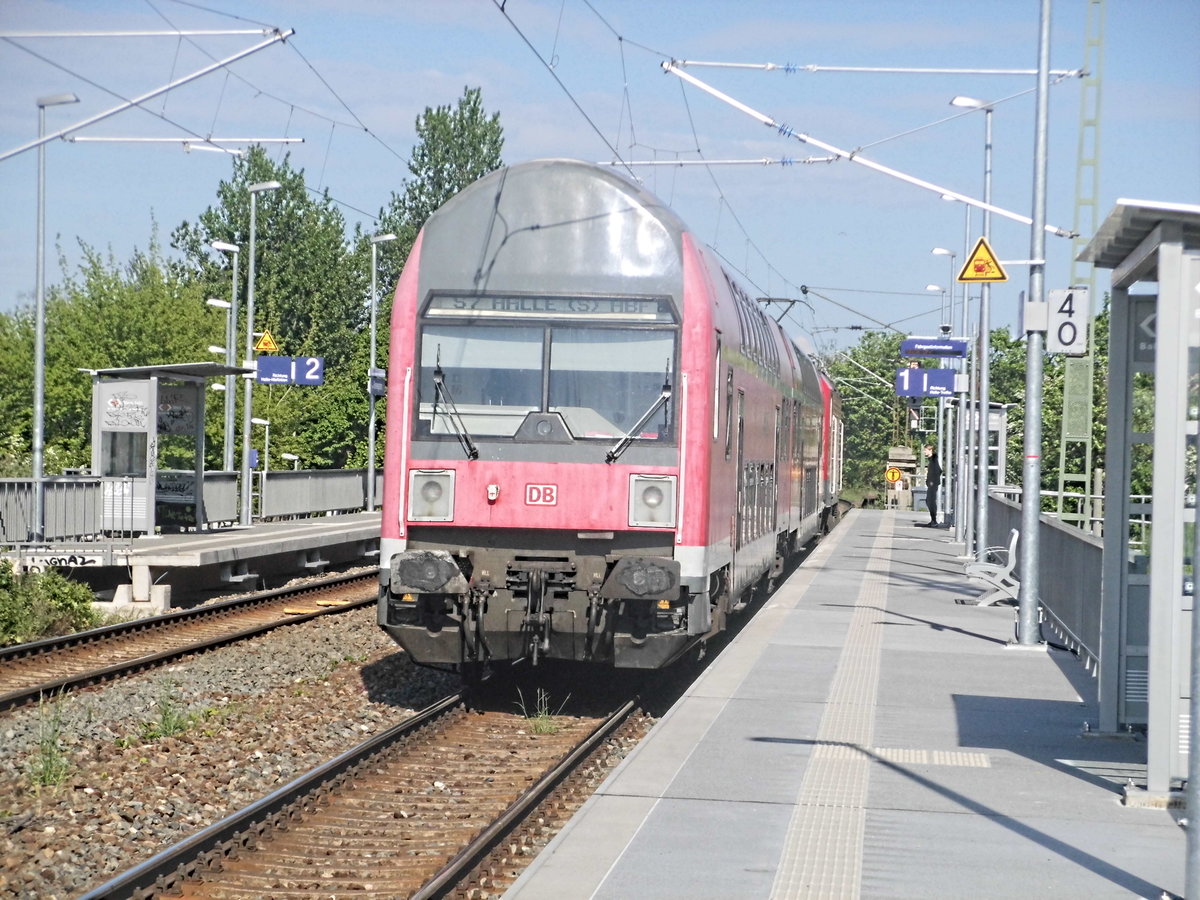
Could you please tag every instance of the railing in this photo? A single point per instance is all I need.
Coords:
(1069, 573)
(76, 508)
(88, 508)
(1091, 519)
(289, 494)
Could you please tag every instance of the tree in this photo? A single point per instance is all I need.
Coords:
(455, 147)
(310, 283)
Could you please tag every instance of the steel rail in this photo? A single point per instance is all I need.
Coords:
(476, 851)
(167, 621)
(183, 861)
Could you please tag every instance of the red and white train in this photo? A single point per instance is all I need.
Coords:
(598, 446)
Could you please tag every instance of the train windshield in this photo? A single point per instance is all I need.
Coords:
(600, 379)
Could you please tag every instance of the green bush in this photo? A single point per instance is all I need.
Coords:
(38, 605)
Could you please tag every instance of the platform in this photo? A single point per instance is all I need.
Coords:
(867, 736)
(169, 570)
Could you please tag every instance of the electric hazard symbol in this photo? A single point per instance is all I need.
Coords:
(982, 265)
(266, 344)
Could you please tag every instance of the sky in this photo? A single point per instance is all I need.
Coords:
(584, 79)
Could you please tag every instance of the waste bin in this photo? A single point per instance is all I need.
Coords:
(919, 502)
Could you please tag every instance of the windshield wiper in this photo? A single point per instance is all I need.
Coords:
(623, 444)
(456, 422)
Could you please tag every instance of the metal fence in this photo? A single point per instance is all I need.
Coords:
(1070, 571)
(89, 508)
(76, 508)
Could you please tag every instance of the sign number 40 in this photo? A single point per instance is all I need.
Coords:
(1070, 312)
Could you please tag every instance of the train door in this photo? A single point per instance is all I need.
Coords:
(744, 480)
(776, 468)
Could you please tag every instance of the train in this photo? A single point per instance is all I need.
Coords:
(598, 446)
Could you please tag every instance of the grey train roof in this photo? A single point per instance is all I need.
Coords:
(553, 226)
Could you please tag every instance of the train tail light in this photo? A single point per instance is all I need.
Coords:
(431, 495)
(652, 501)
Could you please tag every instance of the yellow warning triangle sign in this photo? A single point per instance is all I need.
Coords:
(266, 344)
(982, 265)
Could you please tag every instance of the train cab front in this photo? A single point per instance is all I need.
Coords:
(469, 606)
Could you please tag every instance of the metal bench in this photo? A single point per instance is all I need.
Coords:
(997, 572)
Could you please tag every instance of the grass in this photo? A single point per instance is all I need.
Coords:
(49, 766)
(541, 719)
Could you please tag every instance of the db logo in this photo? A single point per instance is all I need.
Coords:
(541, 494)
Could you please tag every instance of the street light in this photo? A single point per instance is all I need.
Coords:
(248, 398)
(292, 458)
(372, 374)
(39, 324)
(946, 328)
(958, 496)
(983, 398)
(266, 424)
(231, 345)
(262, 484)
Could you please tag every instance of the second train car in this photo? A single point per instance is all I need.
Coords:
(598, 446)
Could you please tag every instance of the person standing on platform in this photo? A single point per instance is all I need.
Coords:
(933, 481)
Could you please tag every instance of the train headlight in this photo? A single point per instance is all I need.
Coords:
(652, 501)
(431, 495)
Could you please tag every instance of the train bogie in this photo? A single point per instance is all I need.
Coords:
(597, 445)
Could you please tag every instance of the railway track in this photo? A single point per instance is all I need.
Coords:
(29, 671)
(425, 809)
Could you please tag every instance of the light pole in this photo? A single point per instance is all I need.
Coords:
(371, 374)
(231, 346)
(292, 458)
(266, 424)
(39, 325)
(228, 351)
(961, 510)
(248, 397)
(983, 398)
(266, 458)
(946, 328)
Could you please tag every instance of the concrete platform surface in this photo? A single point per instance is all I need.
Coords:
(867, 736)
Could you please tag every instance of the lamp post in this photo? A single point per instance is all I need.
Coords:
(946, 328)
(266, 457)
(266, 424)
(292, 458)
(228, 349)
(371, 373)
(248, 398)
(983, 398)
(961, 505)
(39, 325)
(231, 346)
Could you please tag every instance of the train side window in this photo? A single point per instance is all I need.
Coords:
(729, 413)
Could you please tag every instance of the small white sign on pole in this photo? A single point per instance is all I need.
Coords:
(1070, 314)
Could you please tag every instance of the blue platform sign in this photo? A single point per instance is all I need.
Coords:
(309, 370)
(274, 370)
(302, 370)
(934, 347)
(925, 383)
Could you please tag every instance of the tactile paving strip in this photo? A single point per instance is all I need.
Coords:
(822, 854)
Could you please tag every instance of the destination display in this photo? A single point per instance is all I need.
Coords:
(640, 309)
(933, 347)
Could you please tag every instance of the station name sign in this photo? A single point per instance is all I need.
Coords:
(515, 305)
(934, 347)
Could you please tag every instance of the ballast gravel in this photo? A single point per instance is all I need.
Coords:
(254, 715)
